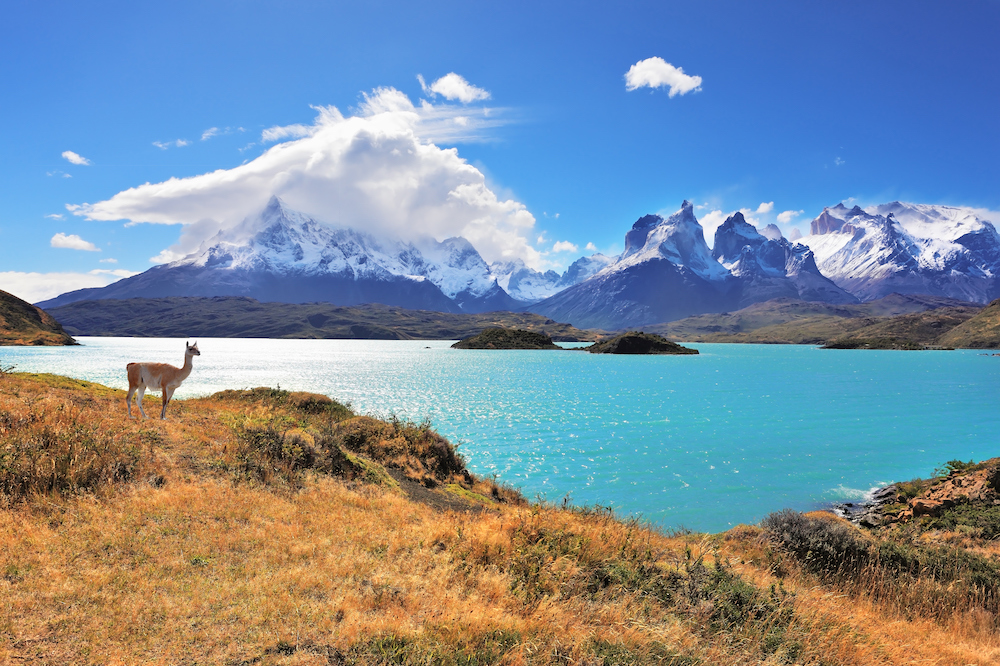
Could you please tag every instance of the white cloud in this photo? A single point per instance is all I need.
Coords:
(35, 287)
(590, 247)
(838, 161)
(109, 260)
(765, 208)
(656, 72)
(73, 158)
(452, 86)
(787, 216)
(377, 171)
(564, 246)
(209, 133)
(55, 216)
(58, 173)
(710, 222)
(72, 242)
(272, 134)
(179, 143)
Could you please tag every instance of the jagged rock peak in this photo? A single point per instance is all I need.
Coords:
(647, 221)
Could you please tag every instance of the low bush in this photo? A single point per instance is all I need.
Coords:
(53, 447)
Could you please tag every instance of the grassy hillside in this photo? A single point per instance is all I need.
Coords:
(21, 323)
(267, 527)
(979, 332)
(904, 321)
(228, 317)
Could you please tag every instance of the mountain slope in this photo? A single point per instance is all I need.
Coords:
(790, 321)
(907, 248)
(771, 267)
(286, 256)
(227, 317)
(979, 332)
(666, 272)
(22, 323)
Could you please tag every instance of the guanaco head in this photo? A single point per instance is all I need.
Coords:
(192, 349)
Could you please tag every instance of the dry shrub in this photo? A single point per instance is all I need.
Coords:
(52, 446)
(911, 578)
(415, 448)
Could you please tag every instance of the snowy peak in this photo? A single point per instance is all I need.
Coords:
(530, 286)
(910, 248)
(679, 239)
(732, 236)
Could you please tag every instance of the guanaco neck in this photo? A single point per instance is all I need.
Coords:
(188, 365)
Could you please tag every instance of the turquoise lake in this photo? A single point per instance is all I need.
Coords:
(704, 442)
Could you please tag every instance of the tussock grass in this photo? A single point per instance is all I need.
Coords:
(911, 578)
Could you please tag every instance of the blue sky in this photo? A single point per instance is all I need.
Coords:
(800, 104)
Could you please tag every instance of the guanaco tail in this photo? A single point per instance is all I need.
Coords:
(142, 376)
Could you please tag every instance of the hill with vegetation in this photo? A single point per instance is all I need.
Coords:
(266, 527)
(895, 321)
(238, 317)
(637, 342)
(21, 323)
(981, 331)
(506, 338)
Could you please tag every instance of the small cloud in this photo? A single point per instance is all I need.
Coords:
(55, 216)
(838, 161)
(209, 133)
(656, 72)
(787, 216)
(73, 158)
(765, 207)
(58, 173)
(247, 147)
(590, 247)
(564, 246)
(179, 143)
(452, 86)
(288, 132)
(109, 260)
(462, 120)
(117, 272)
(73, 242)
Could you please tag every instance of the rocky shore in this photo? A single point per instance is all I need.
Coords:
(975, 485)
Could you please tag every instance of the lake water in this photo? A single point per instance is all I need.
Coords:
(705, 441)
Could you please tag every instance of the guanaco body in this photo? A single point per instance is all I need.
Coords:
(142, 376)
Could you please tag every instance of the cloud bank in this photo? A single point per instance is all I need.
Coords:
(656, 72)
(379, 170)
(35, 287)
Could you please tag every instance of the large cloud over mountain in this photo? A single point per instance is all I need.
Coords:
(378, 170)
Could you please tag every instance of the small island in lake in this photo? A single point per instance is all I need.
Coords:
(637, 342)
(506, 338)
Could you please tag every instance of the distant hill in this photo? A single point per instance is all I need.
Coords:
(979, 332)
(239, 317)
(920, 319)
(21, 323)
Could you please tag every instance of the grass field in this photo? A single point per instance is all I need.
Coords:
(267, 527)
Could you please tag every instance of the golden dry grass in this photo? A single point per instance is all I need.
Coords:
(196, 556)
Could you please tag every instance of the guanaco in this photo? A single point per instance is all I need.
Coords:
(158, 376)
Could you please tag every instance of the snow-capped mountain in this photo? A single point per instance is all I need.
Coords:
(770, 266)
(284, 255)
(907, 248)
(530, 286)
(666, 272)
